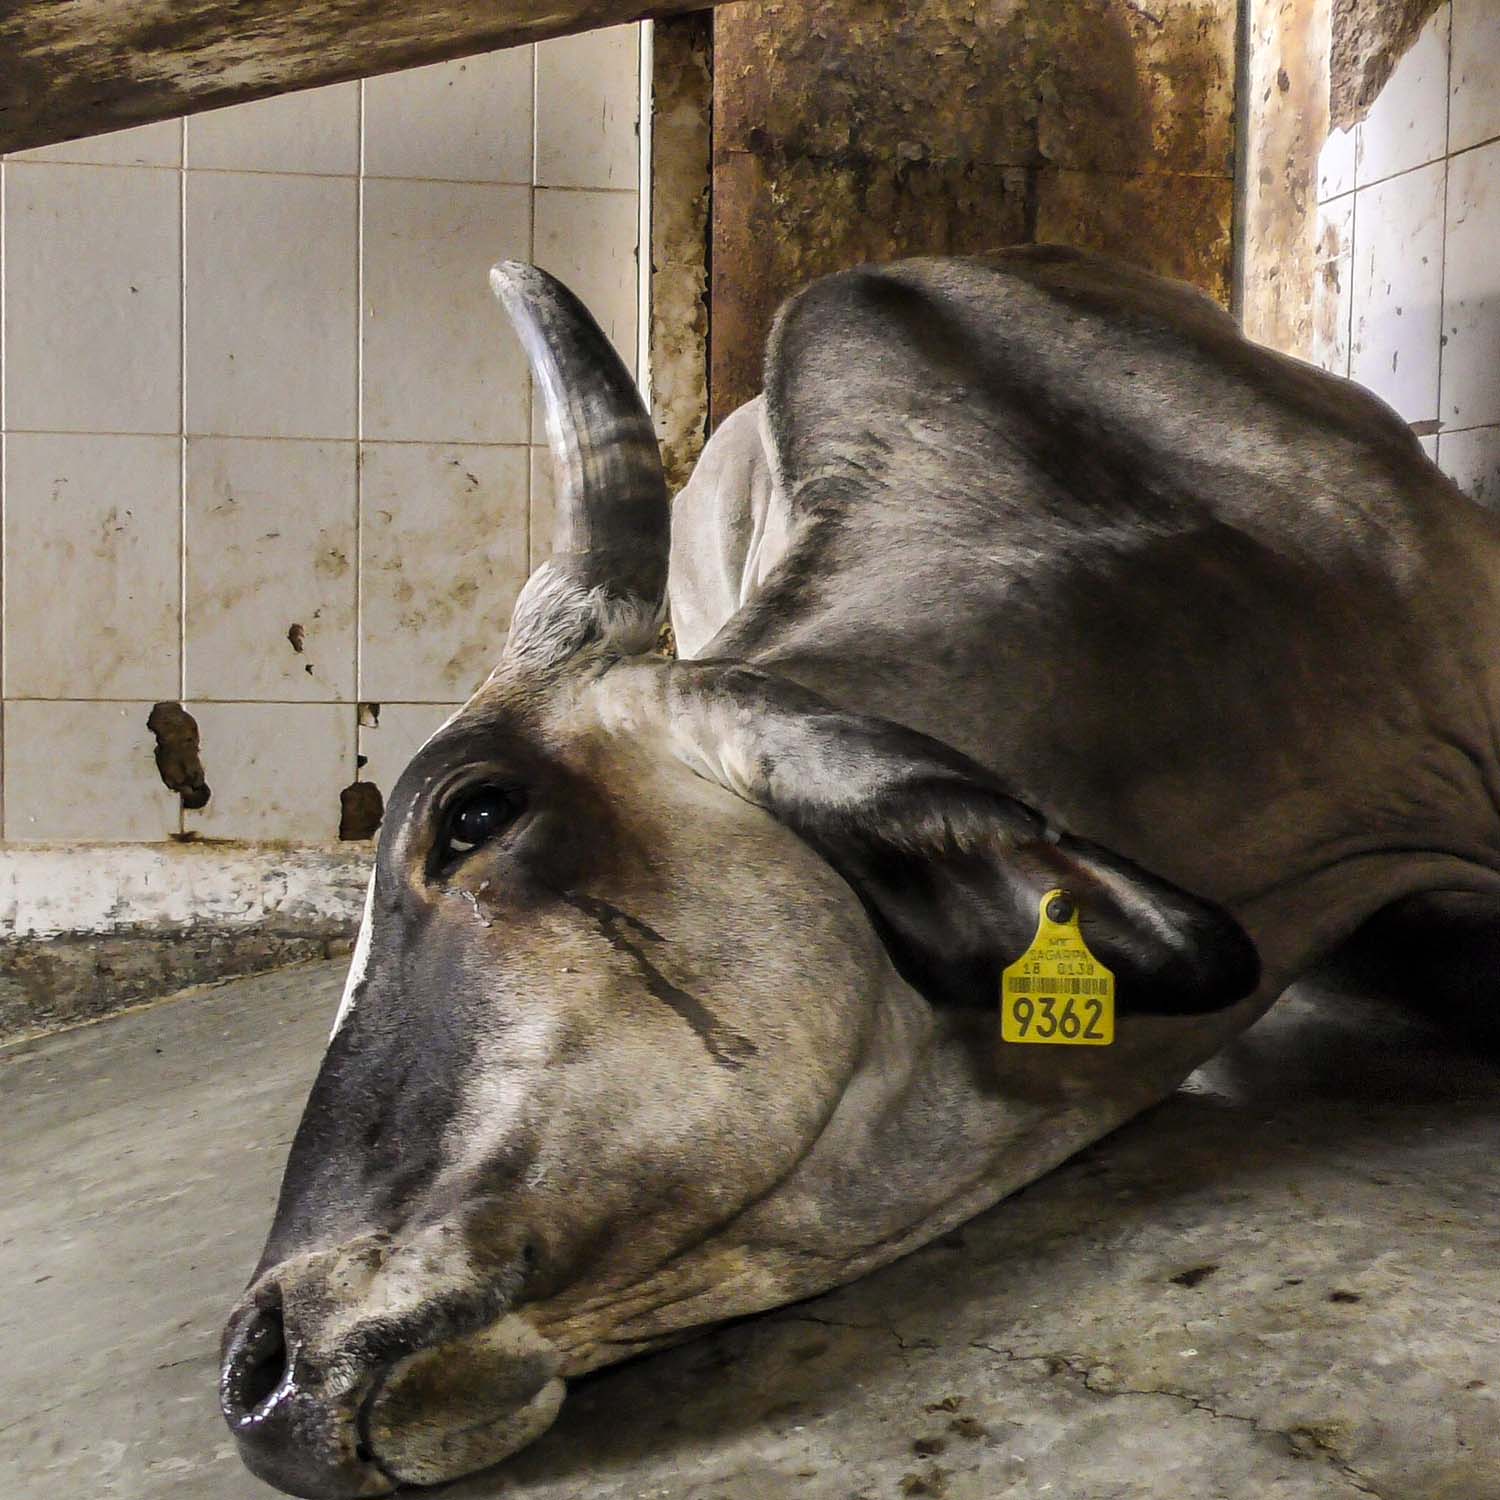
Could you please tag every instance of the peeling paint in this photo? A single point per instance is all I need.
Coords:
(1369, 37)
(177, 758)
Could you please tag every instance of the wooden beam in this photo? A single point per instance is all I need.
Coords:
(81, 67)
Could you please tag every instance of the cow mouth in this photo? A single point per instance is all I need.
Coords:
(479, 1387)
(461, 1405)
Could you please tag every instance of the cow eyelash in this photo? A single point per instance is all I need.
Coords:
(476, 818)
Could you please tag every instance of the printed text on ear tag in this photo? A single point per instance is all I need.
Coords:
(1057, 993)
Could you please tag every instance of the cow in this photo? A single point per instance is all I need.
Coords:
(1028, 586)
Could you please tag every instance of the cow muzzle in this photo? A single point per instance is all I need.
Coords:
(333, 1401)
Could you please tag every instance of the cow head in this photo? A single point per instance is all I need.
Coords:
(673, 1000)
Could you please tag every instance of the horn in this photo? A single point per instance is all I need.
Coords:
(611, 534)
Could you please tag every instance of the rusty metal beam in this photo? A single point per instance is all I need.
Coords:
(81, 67)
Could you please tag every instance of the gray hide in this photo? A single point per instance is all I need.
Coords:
(676, 994)
(1194, 600)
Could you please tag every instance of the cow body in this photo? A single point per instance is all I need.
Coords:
(676, 993)
(1193, 599)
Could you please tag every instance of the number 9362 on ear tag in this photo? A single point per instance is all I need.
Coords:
(1057, 993)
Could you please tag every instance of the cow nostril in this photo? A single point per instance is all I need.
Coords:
(255, 1366)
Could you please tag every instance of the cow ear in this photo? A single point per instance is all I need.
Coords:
(950, 867)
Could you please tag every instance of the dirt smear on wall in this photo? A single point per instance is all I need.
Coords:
(178, 761)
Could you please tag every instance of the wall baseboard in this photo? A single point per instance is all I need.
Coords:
(92, 929)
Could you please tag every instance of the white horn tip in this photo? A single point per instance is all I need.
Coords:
(509, 276)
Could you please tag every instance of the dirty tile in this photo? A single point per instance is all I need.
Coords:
(271, 305)
(397, 732)
(1471, 290)
(1474, 104)
(1098, 212)
(1332, 275)
(589, 240)
(440, 361)
(1408, 123)
(588, 90)
(275, 770)
(92, 299)
(543, 500)
(1336, 164)
(158, 145)
(1398, 291)
(84, 772)
(1472, 461)
(316, 130)
(777, 224)
(270, 569)
(1127, 88)
(442, 557)
(469, 121)
(92, 592)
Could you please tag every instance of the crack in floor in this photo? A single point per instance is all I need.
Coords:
(1084, 1372)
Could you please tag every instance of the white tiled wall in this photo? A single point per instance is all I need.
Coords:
(1408, 285)
(268, 446)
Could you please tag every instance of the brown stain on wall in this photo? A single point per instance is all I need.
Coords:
(361, 809)
(178, 761)
(1314, 66)
(681, 113)
(848, 131)
(1287, 114)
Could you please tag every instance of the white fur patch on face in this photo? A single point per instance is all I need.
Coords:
(555, 617)
(357, 964)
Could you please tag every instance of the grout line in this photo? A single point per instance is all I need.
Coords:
(359, 426)
(4, 493)
(203, 699)
(1244, 39)
(1437, 447)
(182, 388)
(1477, 146)
(1362, 187)
(1445, 431)
(1348, 370)
(260, 437)
(536, 135)
(97, 166)
(145, 166)
(536, 115)
(645, 134)
(551, 187)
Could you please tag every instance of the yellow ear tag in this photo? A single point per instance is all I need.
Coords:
(1057, 993)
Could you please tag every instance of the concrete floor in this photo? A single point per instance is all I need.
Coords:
(1282, 1284)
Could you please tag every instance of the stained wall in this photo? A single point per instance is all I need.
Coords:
(848, 131)
(1374, 221)
(268, 446)
(1408, 235)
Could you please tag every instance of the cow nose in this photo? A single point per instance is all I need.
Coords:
(299, 1439)
(255, 1369)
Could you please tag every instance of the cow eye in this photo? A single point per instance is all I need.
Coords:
(478, 816)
